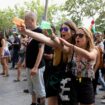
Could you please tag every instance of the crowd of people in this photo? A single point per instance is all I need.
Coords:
(65, 69)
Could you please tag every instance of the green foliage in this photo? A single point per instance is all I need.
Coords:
(78, 9)
(34, 5)
(5, 18)
(7, 14)
(72, 9)
(100, 22)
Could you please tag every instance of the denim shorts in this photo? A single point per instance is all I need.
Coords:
(6, 53)
(36, 83)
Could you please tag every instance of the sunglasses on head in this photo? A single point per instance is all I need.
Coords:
(80, 35)
(65, 29)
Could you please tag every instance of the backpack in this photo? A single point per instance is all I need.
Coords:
(101, 64)
(104, 51)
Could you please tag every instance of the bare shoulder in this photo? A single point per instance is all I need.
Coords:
(3, 41)
(95, 49)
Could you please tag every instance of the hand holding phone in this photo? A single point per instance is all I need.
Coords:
(49, 32)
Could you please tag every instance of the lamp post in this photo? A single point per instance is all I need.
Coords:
(45, 10)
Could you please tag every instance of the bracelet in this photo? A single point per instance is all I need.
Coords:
(35, 66)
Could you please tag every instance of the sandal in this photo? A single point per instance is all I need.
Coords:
(6, 75)
(2, 73)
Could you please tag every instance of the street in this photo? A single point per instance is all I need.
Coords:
(11, 93)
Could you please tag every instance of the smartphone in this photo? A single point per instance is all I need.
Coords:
(17, 21)
(49, 31)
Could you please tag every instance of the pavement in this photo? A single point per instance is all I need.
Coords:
(11, 93)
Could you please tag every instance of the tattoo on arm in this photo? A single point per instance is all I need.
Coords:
(40, 45)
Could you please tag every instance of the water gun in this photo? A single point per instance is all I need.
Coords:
(18, 21)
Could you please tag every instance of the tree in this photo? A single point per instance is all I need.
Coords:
(8, 14)
(78, 9)
(5, 19)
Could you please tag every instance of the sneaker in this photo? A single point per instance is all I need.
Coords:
(103, 101)
(33, 104)
(26, 91)
(16, 80)
(7, 75)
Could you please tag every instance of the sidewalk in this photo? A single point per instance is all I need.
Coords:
(12, 93)
(99, 96)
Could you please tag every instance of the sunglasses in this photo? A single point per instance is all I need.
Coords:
(80, 35)
(65, 29)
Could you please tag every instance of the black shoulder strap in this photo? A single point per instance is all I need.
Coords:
(69, 64)
(72, 54)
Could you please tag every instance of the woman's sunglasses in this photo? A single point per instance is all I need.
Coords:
(65, 29)
(80, 35)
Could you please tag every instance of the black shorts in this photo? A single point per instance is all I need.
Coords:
(85, 91)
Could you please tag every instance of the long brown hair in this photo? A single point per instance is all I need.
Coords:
(1, 35)
(89, 36)
(73, 29)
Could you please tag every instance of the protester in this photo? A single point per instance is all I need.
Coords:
(84, 59)
(34, 61)
(15, 49)
(22, 51)
(100, 71)
(4, 55)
